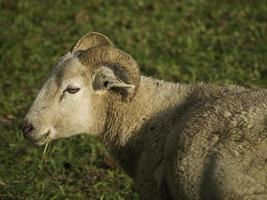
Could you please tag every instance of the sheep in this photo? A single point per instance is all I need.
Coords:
(176, 141)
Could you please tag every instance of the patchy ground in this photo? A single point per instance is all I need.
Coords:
(220, 41)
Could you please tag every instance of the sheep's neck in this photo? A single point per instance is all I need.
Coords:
(137, 125)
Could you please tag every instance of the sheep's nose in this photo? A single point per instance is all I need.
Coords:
(27, 128)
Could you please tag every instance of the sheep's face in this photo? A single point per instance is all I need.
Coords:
(71, 101)
(63, 106)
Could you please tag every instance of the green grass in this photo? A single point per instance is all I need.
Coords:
(220, 41)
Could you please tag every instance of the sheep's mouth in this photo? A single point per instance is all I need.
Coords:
(43, 139)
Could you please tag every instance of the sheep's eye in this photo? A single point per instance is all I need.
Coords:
(72, 90)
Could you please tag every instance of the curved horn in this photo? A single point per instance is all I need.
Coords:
(90, 40)
(123, 65)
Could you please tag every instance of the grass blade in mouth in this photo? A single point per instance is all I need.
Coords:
(45, 150)
(46, 141)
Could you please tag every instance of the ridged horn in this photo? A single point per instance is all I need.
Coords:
(122, 64)
(92, 39)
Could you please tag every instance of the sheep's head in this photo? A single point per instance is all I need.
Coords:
(72, 100)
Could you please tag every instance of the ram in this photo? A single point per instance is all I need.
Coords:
(177, 141)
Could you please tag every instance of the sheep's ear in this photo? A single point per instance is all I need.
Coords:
(90, 40)
(106, 79)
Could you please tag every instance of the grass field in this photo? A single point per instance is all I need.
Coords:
(219, 41)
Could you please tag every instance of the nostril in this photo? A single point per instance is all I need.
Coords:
(27, 128)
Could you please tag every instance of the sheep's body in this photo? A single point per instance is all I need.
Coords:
(176, 141)
(192, 141)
